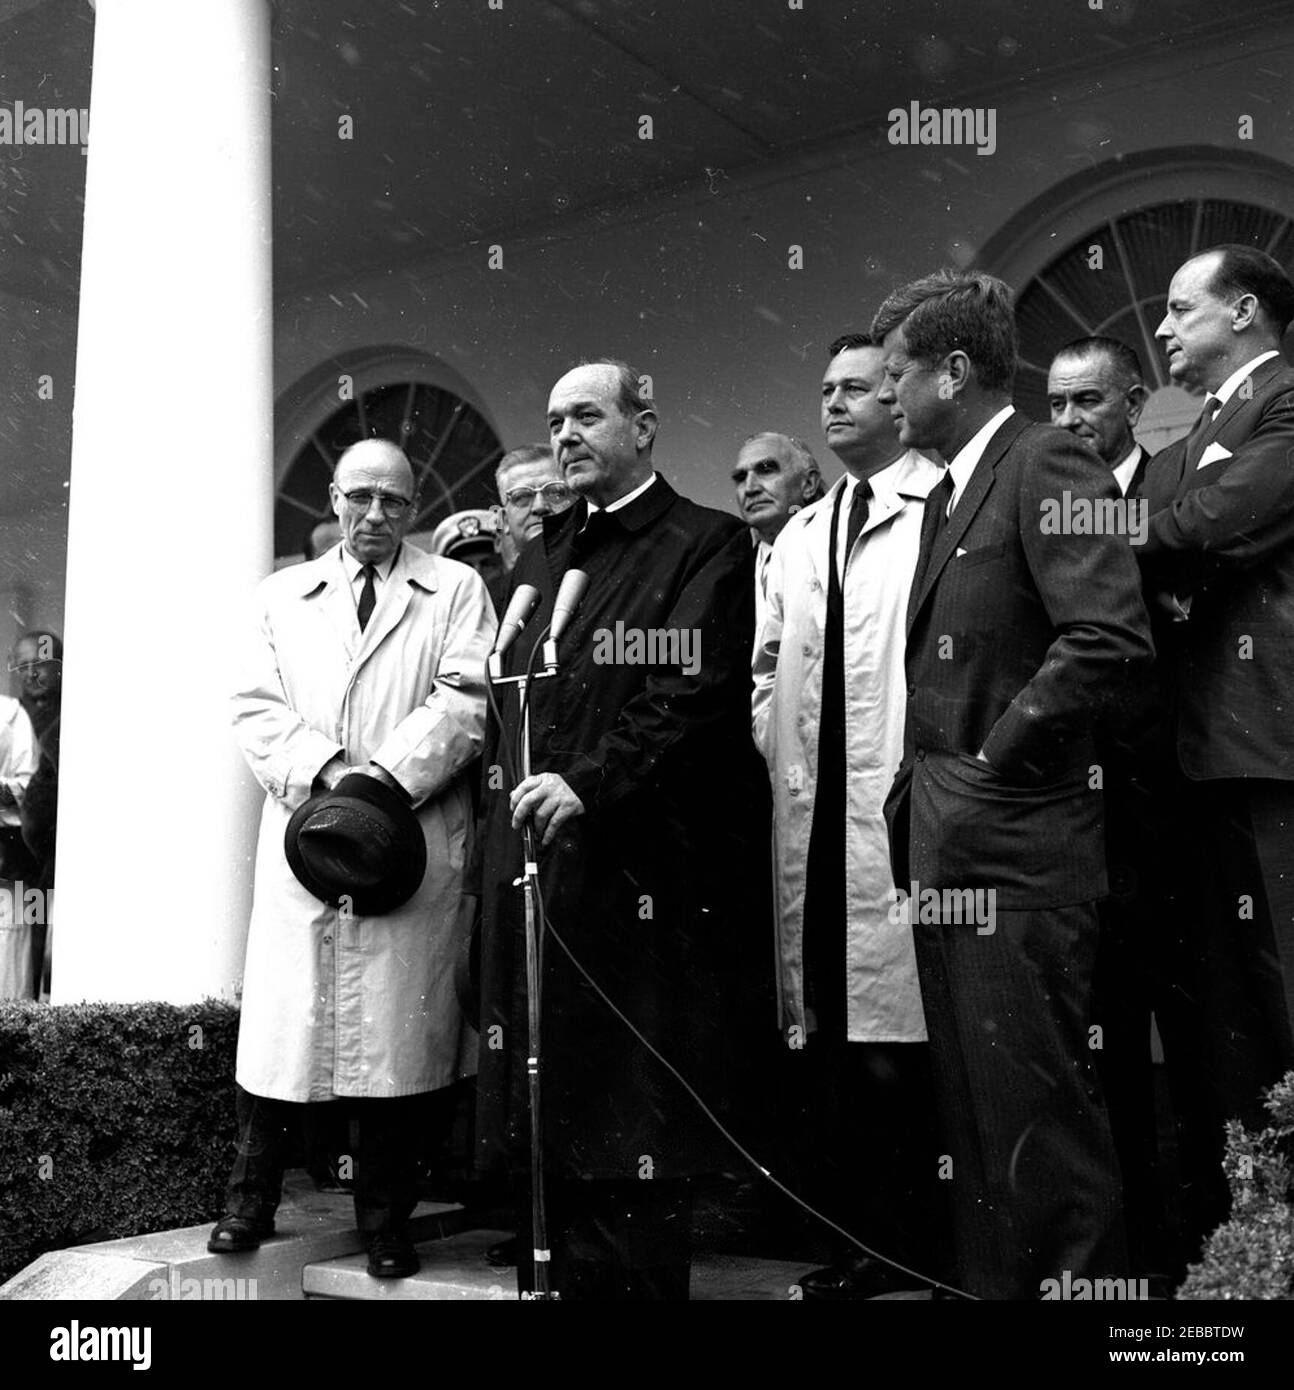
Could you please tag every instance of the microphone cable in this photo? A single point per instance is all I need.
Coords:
(546, 928)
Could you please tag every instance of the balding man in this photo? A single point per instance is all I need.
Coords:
(646, 802)
(1219, 557)
(367, 660)
(1095, 390)
(775, 476)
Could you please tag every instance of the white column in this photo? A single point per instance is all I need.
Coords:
(171, 502)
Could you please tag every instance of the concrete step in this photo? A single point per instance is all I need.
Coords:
(454, 1270)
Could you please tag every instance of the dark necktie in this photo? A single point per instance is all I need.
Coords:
(1201, 426)
(858, 510)
(367, 596)
(933, 520)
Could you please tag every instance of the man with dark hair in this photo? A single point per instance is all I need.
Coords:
(1219, 559)
(828, 718)
(645, 792)
(1095, 390)
(1021, 636)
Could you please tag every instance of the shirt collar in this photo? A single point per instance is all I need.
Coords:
(354, 568)
(964, 461)
(1232, 384)
(1125, 468)
(625, 500)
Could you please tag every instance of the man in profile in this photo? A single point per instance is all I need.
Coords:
(1020, 644)
(1219, 562)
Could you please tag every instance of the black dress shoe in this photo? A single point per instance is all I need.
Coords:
(854, 1281)
(234, 1233)
(391, 1255)
(504, 1254)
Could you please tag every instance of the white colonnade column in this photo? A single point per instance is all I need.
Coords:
(171, 502)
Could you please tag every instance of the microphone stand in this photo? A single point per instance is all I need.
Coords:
(529, 885)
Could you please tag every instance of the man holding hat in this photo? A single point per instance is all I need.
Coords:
(362, 702)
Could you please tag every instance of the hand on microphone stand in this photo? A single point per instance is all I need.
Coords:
(546, 797)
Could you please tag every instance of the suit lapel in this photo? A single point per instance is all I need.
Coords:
(393, 599)
(1240, 398)
(977, 489)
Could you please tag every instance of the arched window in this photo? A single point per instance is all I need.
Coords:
(1095, 256)
(407, 397)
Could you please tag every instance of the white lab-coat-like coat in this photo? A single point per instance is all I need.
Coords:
(334, 1004)
(884, 998)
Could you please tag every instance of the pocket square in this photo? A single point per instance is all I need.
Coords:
(961, 550)
(1212, 455)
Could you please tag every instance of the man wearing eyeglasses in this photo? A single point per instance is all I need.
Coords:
(530, 488)
(367, 660)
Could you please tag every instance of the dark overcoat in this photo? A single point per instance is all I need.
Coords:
(660, 888)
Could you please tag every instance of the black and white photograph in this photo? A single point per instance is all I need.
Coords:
(650, 654)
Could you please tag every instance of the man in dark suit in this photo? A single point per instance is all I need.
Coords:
(1219, 561)
(650, 810)
(1096, 391)
(1024, 630)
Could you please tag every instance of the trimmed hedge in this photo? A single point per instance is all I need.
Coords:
(1252, 1254)
(115, 1120)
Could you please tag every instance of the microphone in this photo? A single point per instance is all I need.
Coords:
(520, 607)
(570, 594)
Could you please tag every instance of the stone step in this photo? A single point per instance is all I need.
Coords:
(455, 1269)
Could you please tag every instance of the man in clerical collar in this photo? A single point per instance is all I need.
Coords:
(647, 804)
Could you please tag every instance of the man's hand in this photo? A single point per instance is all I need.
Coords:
(548, 799)
(7, 798)
(331, 773)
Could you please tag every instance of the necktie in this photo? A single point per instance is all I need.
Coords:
(1211, 407)
(367, 596)
(858, 510)
(933, 520)
(943, 496)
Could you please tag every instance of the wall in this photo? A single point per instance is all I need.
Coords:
(694, 288)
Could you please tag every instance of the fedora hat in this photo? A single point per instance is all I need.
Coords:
(362, 842)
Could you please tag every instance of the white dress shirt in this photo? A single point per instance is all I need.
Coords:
(625, 500)
(1123, 471)
(968, 456)
(355, 574)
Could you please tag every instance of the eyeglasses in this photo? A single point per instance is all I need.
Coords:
(362, 500)
(29, 668)
(555, 494)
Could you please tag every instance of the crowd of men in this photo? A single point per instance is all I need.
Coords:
(1021, 778)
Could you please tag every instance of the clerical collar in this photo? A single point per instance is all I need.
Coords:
(625, 500)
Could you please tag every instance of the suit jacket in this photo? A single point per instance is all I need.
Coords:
(1224, 534)
(656, 886)
(1138, 480)
(1020, 643)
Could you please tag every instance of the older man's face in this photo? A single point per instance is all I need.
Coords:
(595, 443)
(372, 495)
(1196, 331)
(770, 481)
(528, 493)
(1086, 398)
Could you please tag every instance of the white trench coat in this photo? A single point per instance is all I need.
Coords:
(356, 1006)
(884, 998)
